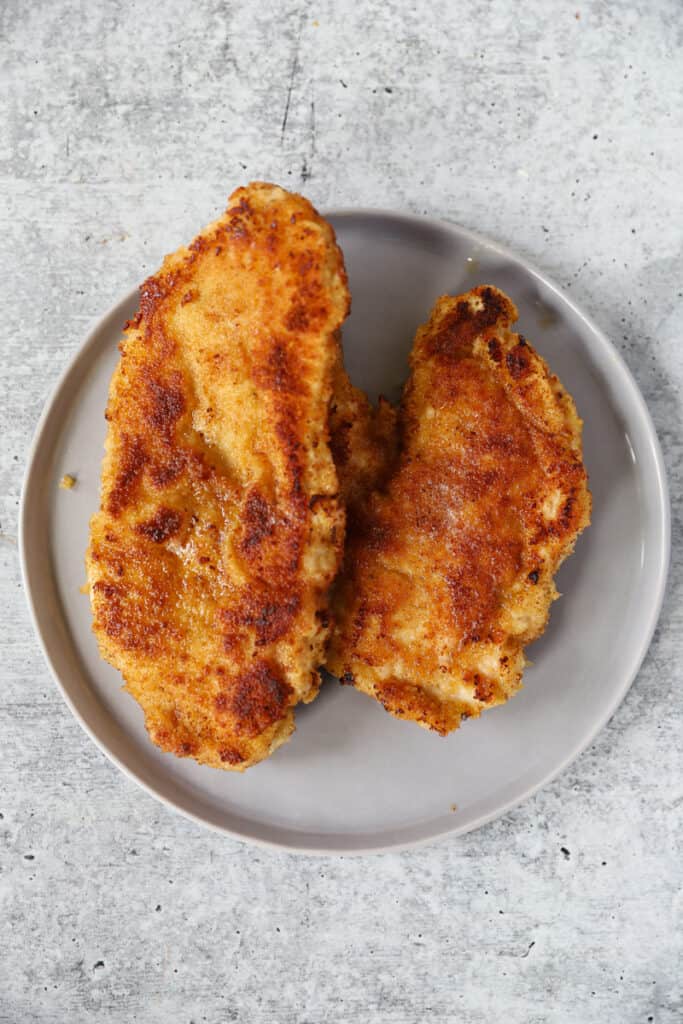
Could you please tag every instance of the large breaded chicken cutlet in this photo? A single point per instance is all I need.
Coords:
(220, 527)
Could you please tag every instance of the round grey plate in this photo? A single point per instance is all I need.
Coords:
(353, 779)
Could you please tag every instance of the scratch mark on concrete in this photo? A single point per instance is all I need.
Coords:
(226, 50)
(307, 166)
(292, 76)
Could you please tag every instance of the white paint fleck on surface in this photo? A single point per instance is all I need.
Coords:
(126, 125)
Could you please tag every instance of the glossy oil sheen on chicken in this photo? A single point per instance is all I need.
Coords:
(220, 527)
(449, 571)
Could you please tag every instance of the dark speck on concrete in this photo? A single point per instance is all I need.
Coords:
(565, 852)
(98, 963)
(158, 907)
(29, 856)
(387, 89)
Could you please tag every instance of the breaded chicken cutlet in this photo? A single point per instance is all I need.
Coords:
(364, 442)
(449, 574)
(220, 527)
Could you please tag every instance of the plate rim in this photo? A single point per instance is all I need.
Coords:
(618, 366)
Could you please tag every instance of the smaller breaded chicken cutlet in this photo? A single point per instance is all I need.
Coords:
(449, 572)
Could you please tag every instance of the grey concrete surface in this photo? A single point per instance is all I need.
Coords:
(554, 127)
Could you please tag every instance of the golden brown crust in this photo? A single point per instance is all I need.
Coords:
(220, 527)
(363, 439)
(449, 574)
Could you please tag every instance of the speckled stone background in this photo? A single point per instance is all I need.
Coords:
(555, 128)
